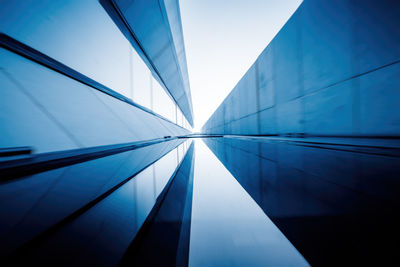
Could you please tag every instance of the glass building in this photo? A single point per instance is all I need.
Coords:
(298, 166)
(88, 78)
(92, 94)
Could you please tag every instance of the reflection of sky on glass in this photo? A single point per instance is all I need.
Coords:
(228, 228)
(90, 43)
(222, 39)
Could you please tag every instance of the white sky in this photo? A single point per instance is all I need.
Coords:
(223, 38)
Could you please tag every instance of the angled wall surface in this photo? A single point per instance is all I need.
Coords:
(155, 28)
(70, 79)
(88, 129)
(332, 70)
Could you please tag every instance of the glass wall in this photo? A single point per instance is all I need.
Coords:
(81, 35)
(34, 210)
(162, 102)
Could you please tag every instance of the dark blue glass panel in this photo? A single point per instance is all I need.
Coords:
(31, 205)
(228, 228)
(335, 206)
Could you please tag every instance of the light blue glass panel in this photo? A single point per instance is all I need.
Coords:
(141, 82)
(19, 115)
(162, 103)
(79, 34)
(75, 106)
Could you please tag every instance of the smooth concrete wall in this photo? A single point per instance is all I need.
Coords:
(332, 70)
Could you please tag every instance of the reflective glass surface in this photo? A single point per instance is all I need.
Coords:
(337, 204)
(81, 35)
(162, 103)
(31, 205)
(71, 114)
(107, 229)
(228, 227)
(236, 201)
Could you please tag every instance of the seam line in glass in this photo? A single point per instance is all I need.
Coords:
(18, 168)
(32, 54)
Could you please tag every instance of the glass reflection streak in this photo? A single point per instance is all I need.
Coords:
(334, 206)
(228, 228)
(101, 235)
(31, 205)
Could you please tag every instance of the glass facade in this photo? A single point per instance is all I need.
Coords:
(128, 202)
(98, 166)
(96, 125)
(81, 35)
